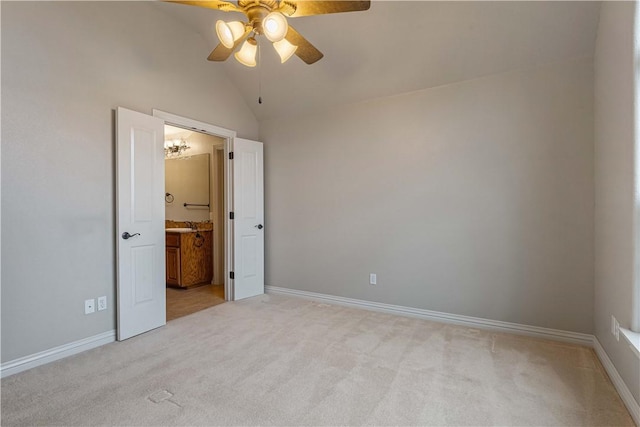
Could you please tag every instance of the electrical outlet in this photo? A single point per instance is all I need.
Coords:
(372, 279)
(615, 328)
(102, 303)
(89, 306)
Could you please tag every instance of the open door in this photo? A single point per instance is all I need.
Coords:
(140, 223)
(248, 223)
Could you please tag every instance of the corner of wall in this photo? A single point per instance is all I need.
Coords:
(616, 212)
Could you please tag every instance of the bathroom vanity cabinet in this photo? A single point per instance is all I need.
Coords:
(189, 257)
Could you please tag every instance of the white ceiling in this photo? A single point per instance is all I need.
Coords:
(172, 132)
(402, 46)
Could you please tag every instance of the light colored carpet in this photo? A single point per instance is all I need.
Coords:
(276, 360)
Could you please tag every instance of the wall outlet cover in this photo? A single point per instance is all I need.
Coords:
(102, 303)
(615, 327)
(89, 306)
(372, 279)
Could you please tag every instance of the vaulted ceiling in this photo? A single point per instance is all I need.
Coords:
(401, 46)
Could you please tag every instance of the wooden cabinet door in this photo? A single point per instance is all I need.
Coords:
(208, 255)
(196, 258)
(173, 266)
(172, 240)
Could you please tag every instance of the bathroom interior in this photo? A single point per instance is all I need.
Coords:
(194, 221)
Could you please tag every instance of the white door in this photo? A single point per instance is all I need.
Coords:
(248, 223)
(140, 223)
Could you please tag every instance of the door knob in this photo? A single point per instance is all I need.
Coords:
(126, 235)
(259, 226)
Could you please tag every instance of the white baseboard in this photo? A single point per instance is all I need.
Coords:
(56, 353)
(618, 382)
(474, 322)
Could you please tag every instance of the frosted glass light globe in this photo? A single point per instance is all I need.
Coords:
(275, 26)
(229, 32)
(247, 53)
(285, 50)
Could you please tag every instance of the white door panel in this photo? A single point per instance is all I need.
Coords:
(140, 212)
(248, 231)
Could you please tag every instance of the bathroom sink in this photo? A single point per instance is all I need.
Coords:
(179, 230)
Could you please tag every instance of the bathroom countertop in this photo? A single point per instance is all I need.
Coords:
(183, 230)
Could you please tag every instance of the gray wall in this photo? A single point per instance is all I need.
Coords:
(614, 194)
(473, 198)
(65, 67)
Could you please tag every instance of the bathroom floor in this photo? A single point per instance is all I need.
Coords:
(182, 302)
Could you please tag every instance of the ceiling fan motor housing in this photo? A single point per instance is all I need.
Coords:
(256, 11)
(246, 4)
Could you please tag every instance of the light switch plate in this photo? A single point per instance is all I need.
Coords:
(102, 303)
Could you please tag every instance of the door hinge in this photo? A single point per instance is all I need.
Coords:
(231, 275)
(230, 155)
(231, 215)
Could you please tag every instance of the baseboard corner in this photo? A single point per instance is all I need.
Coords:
(618, 382)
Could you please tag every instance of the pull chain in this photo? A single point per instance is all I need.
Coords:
(259, 74)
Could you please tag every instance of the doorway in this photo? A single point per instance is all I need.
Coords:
(194, 220)
(140, 217)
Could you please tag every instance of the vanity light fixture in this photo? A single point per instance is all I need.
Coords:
(175, 148)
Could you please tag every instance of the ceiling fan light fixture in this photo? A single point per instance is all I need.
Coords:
(269, 18)
(275, 26)
(247, 53)
(285, 50)
(229, 32)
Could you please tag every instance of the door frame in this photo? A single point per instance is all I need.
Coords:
(228, 136)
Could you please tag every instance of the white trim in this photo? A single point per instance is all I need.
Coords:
(618, 382)
(635, 298)
(228, 135)
(474, 322)
(230, 287)
(634, 340)
(195, 125)
(56, 353)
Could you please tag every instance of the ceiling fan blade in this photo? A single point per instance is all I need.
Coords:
(306, 51)
(221, 52)
(311, 7)
(210, 4)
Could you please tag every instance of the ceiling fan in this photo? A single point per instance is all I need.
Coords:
(269, 18)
